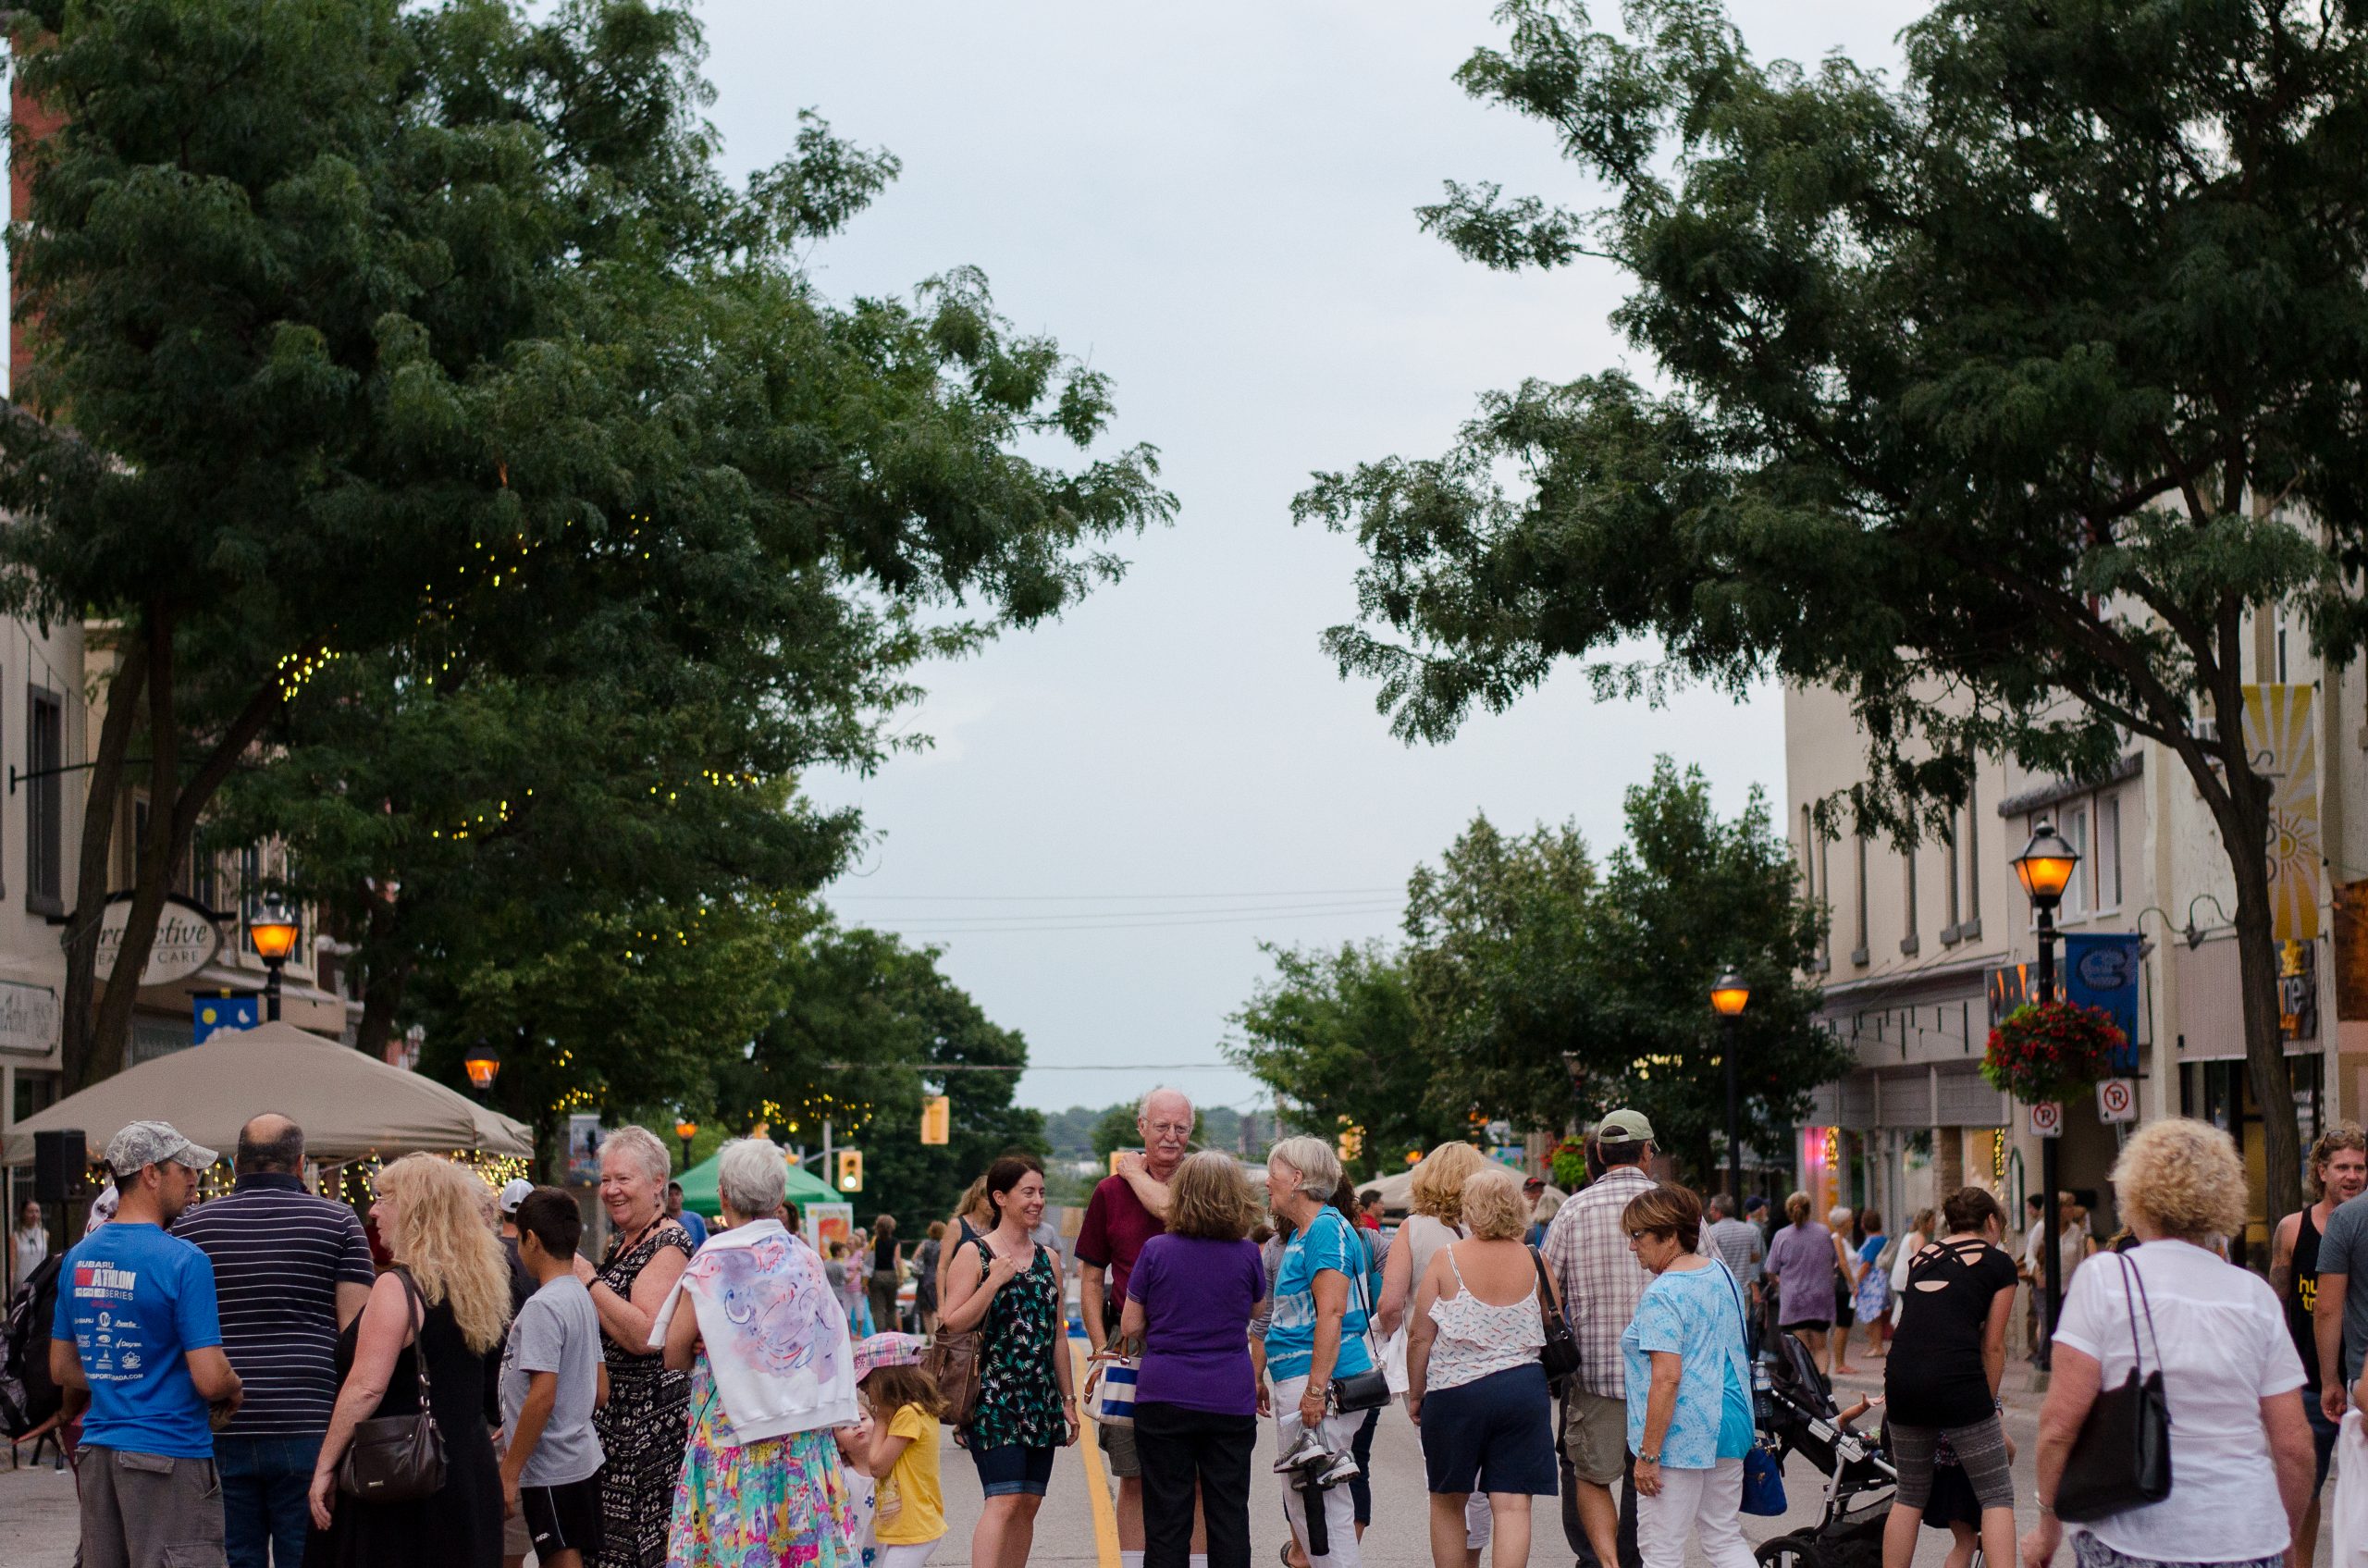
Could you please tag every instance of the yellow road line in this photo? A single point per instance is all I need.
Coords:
(1097, 1479)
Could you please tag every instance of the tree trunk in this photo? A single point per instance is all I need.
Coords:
(2241, 812)
(81, 938)
(113, 1028)
(385, 980)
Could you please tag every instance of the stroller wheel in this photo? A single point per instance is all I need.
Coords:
(1788, 1552)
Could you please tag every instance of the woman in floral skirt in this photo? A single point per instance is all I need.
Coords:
(1004, 1280)
(764, 1338)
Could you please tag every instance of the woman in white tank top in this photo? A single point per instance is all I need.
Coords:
(1474, 1383)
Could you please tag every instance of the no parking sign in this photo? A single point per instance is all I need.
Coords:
(2117, 1100)
(2047, 1119)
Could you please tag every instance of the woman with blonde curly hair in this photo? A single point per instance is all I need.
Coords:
(2229, 1369)
(1437, 1202)
(430, 1322)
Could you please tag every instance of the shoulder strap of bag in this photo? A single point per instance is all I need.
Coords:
(1546, 1303)
(411, 1298)
(2130, 1270)
(1358, 1282)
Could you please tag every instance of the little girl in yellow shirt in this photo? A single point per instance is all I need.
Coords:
(909, 1516)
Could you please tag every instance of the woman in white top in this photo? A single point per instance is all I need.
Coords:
(1474, 1383)
(2240, 1446)
(1435, 1217)
(29, 1244)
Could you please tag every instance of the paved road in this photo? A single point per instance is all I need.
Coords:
(37, 1506)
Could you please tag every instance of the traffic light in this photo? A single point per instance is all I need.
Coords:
(937, 1119)
(850, 1170)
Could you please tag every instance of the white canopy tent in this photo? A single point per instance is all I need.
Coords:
(349, 1105)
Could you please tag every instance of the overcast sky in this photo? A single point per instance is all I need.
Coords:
(1212, 202)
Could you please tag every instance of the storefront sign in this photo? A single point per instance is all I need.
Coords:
(187, 939)
(2297, 991)
(210, 1016)
(29, 1019)
(2282, 745)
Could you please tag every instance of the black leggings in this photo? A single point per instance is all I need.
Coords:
(1177, 1448)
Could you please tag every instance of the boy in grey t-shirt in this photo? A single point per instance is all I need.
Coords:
(552, 1379)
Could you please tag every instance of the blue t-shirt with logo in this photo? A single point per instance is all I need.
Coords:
(134, 1302)
(1327, 1242)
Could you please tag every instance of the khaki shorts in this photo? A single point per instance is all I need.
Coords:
(1118, 1448)
(1596, 1433)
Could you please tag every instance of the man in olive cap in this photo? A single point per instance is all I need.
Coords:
(137, 1325)
(1600, 1282)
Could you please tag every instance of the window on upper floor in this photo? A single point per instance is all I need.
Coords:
(2108, 859)
(2075, 828)
(45, 803)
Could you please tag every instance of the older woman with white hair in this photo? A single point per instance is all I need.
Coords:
(1315, 1332)
(765, 1341)
(2239, 1445)
(641, 1427)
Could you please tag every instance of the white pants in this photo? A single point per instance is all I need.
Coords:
(1707, 1502)
(1339, 1511)
(911, 1556)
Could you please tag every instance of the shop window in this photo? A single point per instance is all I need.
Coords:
(45, 804)
(2221, 1092)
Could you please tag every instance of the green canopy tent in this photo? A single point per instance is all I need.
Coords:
(698, 1189)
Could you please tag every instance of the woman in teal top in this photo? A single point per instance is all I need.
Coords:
(1689, 1388)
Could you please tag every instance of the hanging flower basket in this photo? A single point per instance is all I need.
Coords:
(1570, 1166)
(2051, 1051)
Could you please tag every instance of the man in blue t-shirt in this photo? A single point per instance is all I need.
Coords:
(138, 1327)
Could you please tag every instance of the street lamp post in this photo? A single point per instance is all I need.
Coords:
(2045, 868)
(687, 1129)
(484, 1065)
(1730, 994)
(273, 931)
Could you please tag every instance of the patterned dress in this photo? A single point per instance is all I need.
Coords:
(641, 1427)
(1019, 1396)
(780, 1502)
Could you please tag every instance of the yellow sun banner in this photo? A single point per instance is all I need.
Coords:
(2282, 748)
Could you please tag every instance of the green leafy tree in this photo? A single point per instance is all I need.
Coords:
(2000, 397)
(1496, 971)
(863, 1019)
(1334, 1035)
(419, 335)
(1688, 896)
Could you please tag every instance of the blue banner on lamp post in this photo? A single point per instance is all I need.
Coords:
(222, 1014)
(2100, 970)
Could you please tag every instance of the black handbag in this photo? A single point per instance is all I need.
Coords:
(2121, 1459)
(1560, 1355)
(397, 1457)
(1368, 1390)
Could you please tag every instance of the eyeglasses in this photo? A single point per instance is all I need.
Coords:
(1169, 1129)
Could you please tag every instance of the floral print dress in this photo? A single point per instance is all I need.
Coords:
(781, 1502)
(1019, 1396)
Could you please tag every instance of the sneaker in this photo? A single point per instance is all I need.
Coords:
(1343, 1468)
(1308, 1450)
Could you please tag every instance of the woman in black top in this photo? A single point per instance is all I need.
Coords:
(1941, 1377)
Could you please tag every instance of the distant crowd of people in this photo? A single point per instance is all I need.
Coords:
(249, 1383)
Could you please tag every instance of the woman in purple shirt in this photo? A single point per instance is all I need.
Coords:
(1802, 1258)
(1196, 1397)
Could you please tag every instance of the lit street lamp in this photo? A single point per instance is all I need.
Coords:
(484, 1065)
(273, 931)
(2045, 868)
(1730, 994)
(687, 1129)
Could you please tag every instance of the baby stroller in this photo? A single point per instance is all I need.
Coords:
(1795, 1413)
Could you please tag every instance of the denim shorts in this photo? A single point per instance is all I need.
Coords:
(1011, 1469)
(1495, 1434)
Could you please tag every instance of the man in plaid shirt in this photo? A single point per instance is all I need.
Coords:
(1601, 1281)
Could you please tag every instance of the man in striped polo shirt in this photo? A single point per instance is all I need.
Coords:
(290, 1271)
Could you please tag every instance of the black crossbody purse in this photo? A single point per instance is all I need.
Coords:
(397, 1457)
(1368, 1390)
(1560, 1355)
(2122, 1457)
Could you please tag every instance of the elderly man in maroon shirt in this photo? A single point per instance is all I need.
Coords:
(1126, 1211)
